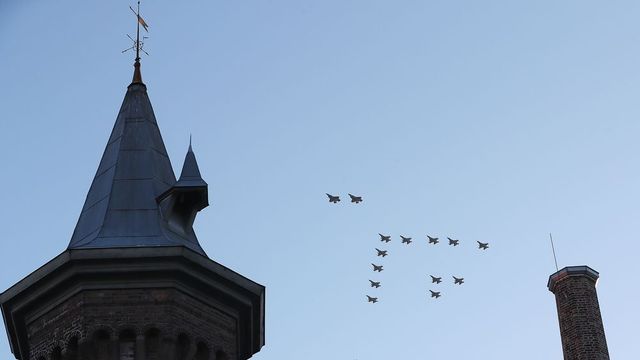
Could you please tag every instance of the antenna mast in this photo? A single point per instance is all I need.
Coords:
(554, 251)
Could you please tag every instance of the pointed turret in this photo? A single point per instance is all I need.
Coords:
(121, 208)
(180, 204)
(190, 175)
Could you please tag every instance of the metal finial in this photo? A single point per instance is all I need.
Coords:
(190, 143)
(138, 44)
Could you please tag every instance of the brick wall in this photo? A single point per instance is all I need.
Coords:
(163, 324)
(581, 327)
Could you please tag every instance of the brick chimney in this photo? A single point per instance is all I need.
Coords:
(579, 316)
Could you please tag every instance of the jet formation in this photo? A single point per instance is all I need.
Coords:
(407, 240)
(336, 198)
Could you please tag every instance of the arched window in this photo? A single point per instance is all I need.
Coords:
(152, 344)
(102, 345)
(202, 352)
(182, 346)
(221, 355)
(127, 345)
(72, 349)
(56, 354)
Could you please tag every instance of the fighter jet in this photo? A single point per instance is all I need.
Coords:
(433, 240)
(385, 238)
(483, 246)
(333, 199)
(453, 242)
(382, 253)
(372, 299)
(355, 199)
(375, 284)
(436, 280)
(377, 268)
(405, 240)
(458, 281)
(435, 294)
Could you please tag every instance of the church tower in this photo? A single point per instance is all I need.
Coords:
(134, 282)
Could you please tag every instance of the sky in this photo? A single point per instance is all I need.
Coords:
(499, 121)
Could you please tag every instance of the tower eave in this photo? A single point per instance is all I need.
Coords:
(74, 271)
(569, 271)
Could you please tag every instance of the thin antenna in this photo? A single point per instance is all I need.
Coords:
(553, 248)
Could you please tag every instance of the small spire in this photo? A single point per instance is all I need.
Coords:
(190, 171)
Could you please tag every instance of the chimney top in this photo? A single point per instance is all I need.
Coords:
(572, 271)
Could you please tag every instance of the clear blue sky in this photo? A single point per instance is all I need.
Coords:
(498, 121)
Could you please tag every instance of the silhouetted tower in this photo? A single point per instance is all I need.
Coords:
(579, 316)
(134, 282)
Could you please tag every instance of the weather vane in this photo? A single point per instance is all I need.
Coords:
(137, 43)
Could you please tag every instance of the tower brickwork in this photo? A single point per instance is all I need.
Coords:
(581, 327)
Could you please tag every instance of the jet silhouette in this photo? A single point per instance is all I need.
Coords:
(372, 299)
(333, 199)
(405, 240)
(436, 280)
(483, 246)
(435, 294)
(453, 242)
(375, 284)
(377, 268)
(382, 253)
(433, 240)
(355, 199)
(458, 281)
(385, 238)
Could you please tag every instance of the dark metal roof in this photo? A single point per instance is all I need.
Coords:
(121, 208)
(190, 175)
